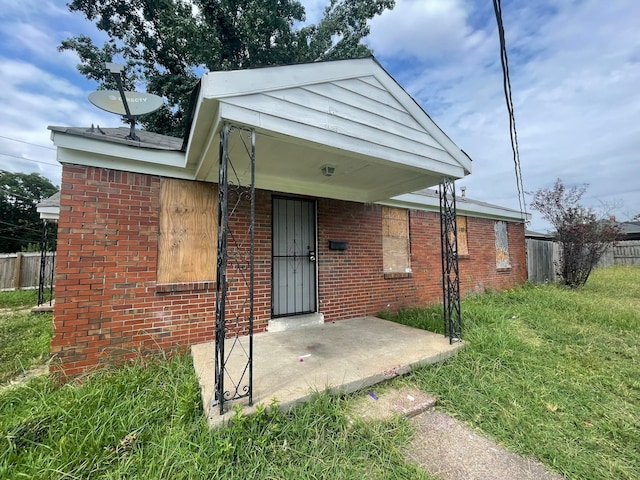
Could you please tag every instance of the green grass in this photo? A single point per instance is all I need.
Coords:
(18, 298)
(24, 341)
(549, 372)
(552, 373)
(144, 421)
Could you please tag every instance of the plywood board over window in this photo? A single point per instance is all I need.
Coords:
(187, 246)
(461, 229)
(395, 240)
(502, 245)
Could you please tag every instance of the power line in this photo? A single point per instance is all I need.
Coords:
(29, 159)
(21, 240)
(18, 227)
(17, 195)
(27, 143)
(497, 7)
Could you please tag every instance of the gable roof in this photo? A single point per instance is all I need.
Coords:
(348, 112)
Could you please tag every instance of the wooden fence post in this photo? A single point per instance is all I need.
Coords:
(18, 270)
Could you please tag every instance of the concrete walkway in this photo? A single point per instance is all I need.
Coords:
(346, 355)
(444, 446)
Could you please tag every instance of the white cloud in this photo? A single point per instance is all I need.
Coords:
(575, 71)
(33, 99)
(426, 31)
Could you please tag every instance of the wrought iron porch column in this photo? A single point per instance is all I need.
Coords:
(450, 276)
(45, 247)
(235, 264)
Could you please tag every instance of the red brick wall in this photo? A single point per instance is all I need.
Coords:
(108, 305)
(107, 302)
(352, 282)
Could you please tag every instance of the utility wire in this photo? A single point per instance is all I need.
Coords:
(30, 160)
(497, 7)
(21, 240)
(18, 227)
(17, 195)
(27, 143)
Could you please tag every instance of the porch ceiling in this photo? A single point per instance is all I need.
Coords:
(349, 114)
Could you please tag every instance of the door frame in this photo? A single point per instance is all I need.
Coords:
(315, 293)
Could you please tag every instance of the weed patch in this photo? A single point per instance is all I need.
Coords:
(24, 341)
(552, 373)
(145, 421)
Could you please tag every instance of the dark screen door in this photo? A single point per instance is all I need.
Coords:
(294, 257)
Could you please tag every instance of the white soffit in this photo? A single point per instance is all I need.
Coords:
(354, 106)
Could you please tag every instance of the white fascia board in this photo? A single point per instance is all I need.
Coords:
(49, 212)
(342, 142)
(206, 161)
(169, 158)
(246, 82)
(432, 204)
(90, 159)
(423, 118)
(95, 153)
(218, 85)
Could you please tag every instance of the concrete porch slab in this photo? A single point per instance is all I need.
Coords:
(345, 356)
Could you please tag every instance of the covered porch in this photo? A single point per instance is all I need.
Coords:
(344, 356)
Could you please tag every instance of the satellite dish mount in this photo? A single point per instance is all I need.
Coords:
(129, 104)
(116, 69)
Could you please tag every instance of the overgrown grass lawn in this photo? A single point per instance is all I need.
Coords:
(24, 341)
(548, 372)
(144, 421)
(552, 373)
(18, 298)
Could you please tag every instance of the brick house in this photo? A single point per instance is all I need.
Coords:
(344, 224)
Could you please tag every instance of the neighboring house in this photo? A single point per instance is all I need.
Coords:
(629, 231)
(339, 149)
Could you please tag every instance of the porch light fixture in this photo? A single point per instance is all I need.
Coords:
(328, 170)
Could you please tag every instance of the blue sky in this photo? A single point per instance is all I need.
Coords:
(575, 73)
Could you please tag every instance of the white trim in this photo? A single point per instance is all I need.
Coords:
(49, 212)
(342, 142)
(432, 204)
(220, 85)
(127, 153)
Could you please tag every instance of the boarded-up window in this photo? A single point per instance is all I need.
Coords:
(502, 245)
(395, 240)
(461, 229)
(187, 247)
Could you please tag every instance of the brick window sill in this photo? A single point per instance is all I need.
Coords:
(464, 257)
(503, 270)
(184, 287)
(394, 275)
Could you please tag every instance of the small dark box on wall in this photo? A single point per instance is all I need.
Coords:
(338, 245)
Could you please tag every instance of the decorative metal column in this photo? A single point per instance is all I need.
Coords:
(450, 277)
(235, 266)
(46, 266)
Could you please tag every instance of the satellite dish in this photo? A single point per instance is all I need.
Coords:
(139, 103)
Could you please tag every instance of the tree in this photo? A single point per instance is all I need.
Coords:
(584, 237)
(167, 44)
(20, 223)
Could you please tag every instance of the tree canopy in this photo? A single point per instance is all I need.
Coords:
(20, 224)
(168, 44)
(583, 236)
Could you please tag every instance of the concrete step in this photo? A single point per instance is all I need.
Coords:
(404, 401)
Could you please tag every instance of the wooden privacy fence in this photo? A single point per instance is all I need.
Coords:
(543, 256)
(22, 270)
(623, 253)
